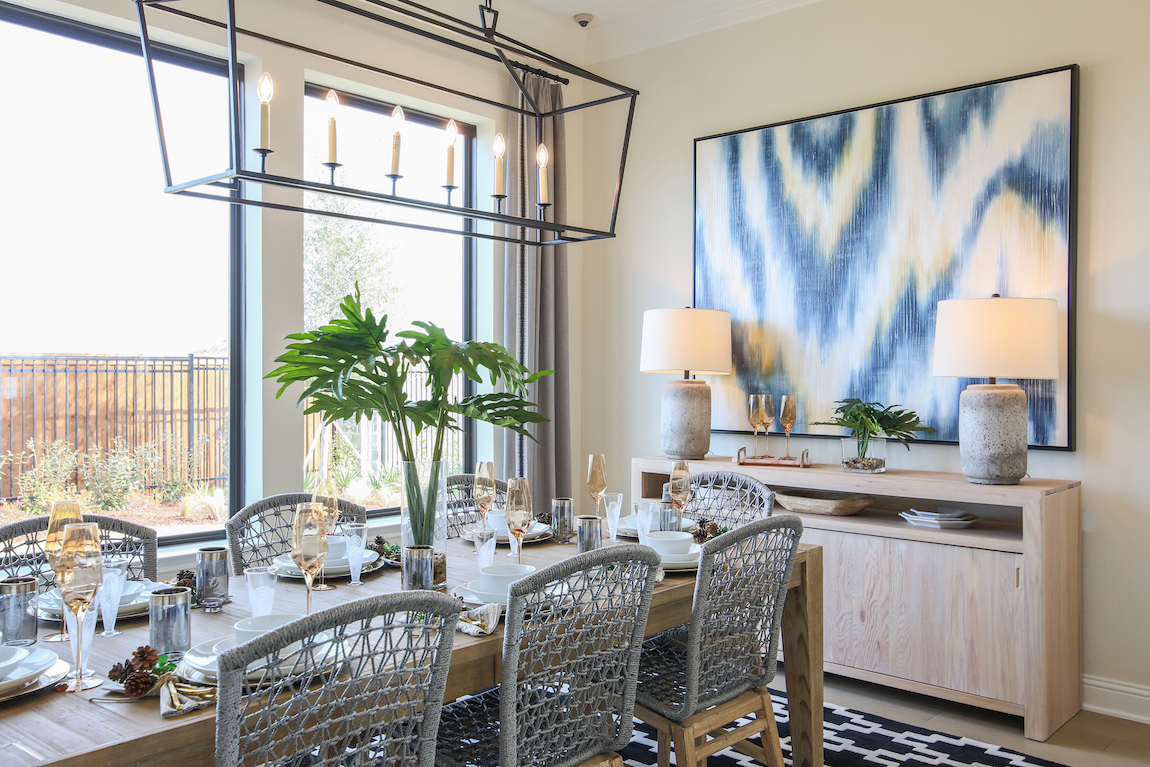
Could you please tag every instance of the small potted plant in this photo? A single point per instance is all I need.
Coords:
(865, 450)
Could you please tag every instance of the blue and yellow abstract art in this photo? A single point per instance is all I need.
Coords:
(831, 240)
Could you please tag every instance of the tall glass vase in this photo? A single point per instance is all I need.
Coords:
(423, 525)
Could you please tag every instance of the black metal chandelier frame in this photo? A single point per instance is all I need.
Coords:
(403, 15)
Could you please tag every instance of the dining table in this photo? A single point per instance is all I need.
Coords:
(80, 730)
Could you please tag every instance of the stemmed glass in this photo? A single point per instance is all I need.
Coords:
(484, 488)
(788, 418)
(518, 509)
(63, 513)
(761, 414)
(327, 496)
(597, 479)
(309, 543)
(80, 576)
(355, 533)
(680, 487)
(115, 578)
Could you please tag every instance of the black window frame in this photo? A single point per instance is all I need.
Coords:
(130, 43)
(469, 134)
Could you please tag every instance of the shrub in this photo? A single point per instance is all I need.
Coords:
(51, 477)
(111, 478)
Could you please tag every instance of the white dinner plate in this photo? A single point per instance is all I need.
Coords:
(285, 566)
(537, 532)
(690, 558)
(133, 609)
(50, 599)
(36, 663)
(629, 526)
(486, 598)
(937, 523)
(201, 660)
(943, 514)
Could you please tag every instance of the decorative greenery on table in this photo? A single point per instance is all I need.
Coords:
(140, 673)
(349, 372)
(867, 419)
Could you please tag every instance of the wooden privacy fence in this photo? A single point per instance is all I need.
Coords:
(89, 402)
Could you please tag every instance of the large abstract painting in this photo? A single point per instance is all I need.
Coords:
(831, 240)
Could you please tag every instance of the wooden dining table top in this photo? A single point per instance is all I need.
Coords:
(48, 727)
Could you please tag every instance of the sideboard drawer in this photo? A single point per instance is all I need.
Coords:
(948, 616)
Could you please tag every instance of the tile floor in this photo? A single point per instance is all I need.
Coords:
(1087, 740)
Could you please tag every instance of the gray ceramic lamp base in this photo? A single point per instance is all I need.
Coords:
(992, 437)
(686, 419)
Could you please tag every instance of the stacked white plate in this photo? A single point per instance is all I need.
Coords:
(133, 601)
(538, 531)
(943, 519)
(33, 663)
(629, 525)
(199, 663)
(332, 568)
(688, 561)
(473, 594)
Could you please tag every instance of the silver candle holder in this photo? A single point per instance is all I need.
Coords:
(18, 619)
(170, 621)
(589, 533)
(562, 519)
(212, 578)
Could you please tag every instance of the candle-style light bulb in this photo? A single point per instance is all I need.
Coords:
(499, 146)
(266, 90)
(450, 133)
(542, 157)
(332, 108)
(397, 117)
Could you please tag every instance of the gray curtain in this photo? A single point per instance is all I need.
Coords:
(535, 289)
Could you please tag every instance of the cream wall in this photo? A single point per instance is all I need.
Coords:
(839, 54)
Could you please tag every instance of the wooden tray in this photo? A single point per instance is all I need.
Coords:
(822, 502)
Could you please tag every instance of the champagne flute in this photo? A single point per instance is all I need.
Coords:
(768, 419)
(309, 542)
(680, 487)
(787, 419)
(327, 496)
(63, 513)
(518, 510)
(756, 416)
(597, 479)
(484, 488)
(80, 575)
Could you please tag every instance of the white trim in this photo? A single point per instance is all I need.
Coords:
(1115, 698)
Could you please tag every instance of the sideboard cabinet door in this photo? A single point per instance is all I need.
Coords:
(942, 615)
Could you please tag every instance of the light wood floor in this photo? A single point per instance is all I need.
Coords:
(1087, 740)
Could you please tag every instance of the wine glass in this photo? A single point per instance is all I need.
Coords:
(787, 419)
(518, 510)
(756, 416)
(63, 513)
(326, 495)
(680, 487)
(80, 576)
(597, 479)
(484, 488)
(309, 542)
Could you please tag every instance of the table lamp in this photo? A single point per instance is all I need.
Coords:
(995, 338)
(686, 341)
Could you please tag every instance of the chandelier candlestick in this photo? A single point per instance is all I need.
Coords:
(499, 198)
(394, 177)
(449, 189)
(263, 153)
(332, 166)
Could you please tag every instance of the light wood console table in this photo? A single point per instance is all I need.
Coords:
(989, 615)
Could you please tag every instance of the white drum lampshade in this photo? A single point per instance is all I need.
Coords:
(686, 341)
(995, 338)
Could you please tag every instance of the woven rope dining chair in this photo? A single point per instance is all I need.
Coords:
(356, 685)
(461, 509)
(260, 532)
(571, 647)
(694, 683)
(22, 547)
(728, 498)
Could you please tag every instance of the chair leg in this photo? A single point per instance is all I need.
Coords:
(772, 745)
(664, 752)
(685, 753)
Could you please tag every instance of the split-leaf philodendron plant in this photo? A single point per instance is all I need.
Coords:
(349, 372)
(866, 419)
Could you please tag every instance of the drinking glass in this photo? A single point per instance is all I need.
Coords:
(115, 577)
(309, 543)
(597, 479)
(614, 505)
(63, 513)
(788, 418)
(680, 488)
(261, 589)
(519, 517)
(327, 496)
(645, 513)
(484, 539)
(355, 533)
(484, 488)
(756, 417)
(80, 576)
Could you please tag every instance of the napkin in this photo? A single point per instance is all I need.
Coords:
(480, 621)
(178, 697)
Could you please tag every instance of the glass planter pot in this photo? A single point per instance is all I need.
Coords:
(873, 461)
(423, 525)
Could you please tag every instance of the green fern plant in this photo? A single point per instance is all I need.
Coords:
(867, 419)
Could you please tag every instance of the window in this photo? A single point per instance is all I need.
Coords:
(117, 340)
(406, 274)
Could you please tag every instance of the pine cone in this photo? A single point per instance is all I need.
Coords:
(138, 684)
(144, 658)
(118, 673)
(186, 578)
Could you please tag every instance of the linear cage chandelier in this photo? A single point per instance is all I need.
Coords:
(483, 42)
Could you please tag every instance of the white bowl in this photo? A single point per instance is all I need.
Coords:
(336, 547)
(498, 520)
(10, 658)
(496, 578)
(669, 542)
(250, 628)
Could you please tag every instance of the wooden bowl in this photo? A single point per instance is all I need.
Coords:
(821, 502)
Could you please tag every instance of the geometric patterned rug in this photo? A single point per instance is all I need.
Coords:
(854, 739)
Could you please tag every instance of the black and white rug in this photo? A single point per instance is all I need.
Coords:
(854, 739)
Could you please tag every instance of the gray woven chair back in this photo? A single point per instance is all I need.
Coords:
(728, 499)
(461, 509)
(260, 532)
(733, 639)
(358, 684)
(22, 547)
(571, 646)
